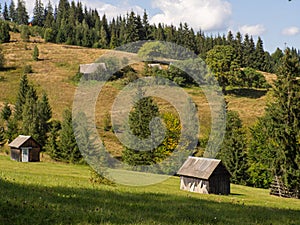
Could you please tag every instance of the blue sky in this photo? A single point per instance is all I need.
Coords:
(276, 21)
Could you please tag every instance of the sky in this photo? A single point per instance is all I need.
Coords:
(277, 22)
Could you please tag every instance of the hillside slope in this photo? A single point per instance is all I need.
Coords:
(59, 63)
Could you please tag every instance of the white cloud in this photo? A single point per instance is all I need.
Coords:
(208, 15)
(113, 10)
(254, 30)
(291, 31)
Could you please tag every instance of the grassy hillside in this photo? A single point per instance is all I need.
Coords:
(59, 63)
(49, 193)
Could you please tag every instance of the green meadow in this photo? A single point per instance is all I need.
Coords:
(56, 193)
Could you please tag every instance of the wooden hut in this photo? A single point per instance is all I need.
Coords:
(206, 176)
(25, 149)
(92, 68)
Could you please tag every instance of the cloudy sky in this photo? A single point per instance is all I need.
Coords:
(276, 21)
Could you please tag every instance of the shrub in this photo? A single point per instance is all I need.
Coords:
(27, 69)
(35, 55)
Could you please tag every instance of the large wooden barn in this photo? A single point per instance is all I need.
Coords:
(206, 176)
(25, 149)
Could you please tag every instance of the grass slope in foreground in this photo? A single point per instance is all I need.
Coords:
(51, 193)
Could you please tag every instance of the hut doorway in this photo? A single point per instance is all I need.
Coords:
(25, 154)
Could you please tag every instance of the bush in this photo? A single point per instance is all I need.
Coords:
(27, 69)
(35, 55)
(25, 33)
(251, 78)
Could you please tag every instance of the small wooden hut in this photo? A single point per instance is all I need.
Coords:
(25, 149)
(92, 68)
(203, 175)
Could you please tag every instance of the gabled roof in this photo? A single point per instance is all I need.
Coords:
(91, 68)
(19, 141)
(198, 167)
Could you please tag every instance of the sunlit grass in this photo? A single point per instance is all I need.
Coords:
(52, 193)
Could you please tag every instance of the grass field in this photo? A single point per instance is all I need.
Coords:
(51, 193)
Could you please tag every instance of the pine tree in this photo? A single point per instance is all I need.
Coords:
(233, 149)
(21, 13)
(132, 32)
(281, 124)
(44, 116)
(38, 14)
(259, 55)
(49, 17)
(249, 50)
(4, 32)
(146, 27)
(6, 112)
(35, 55)
(12, 11)
(30, 114)
(67, 144)
(21, 97)
(62, 12)
(6, 12)
(51, 146)
(143, 112)
(12, 129)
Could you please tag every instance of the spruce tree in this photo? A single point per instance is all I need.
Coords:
(67, 142)
(51, 146)
(4, 32)
(49, 17)
(38, 14)
(44, 112)
(35, 55)
(12, 129)
(21, 97)
(282, 125)
(21, 13)
(143, 112)
(233, 149)
(30, 120)
(6, 12)
(259, 55)
(6, 112)
(12, 11)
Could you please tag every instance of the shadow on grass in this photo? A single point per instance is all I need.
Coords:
(247, 92)
(8, 68)
(29, 204)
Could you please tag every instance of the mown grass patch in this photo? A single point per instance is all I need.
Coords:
(51, 193)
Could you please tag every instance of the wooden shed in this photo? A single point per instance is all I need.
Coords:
(203, 175)
(25, 149)
(92, 68)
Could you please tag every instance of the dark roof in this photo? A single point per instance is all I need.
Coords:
(19, 141)
(198, 167)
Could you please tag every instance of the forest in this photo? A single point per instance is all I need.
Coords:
(270, 150)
